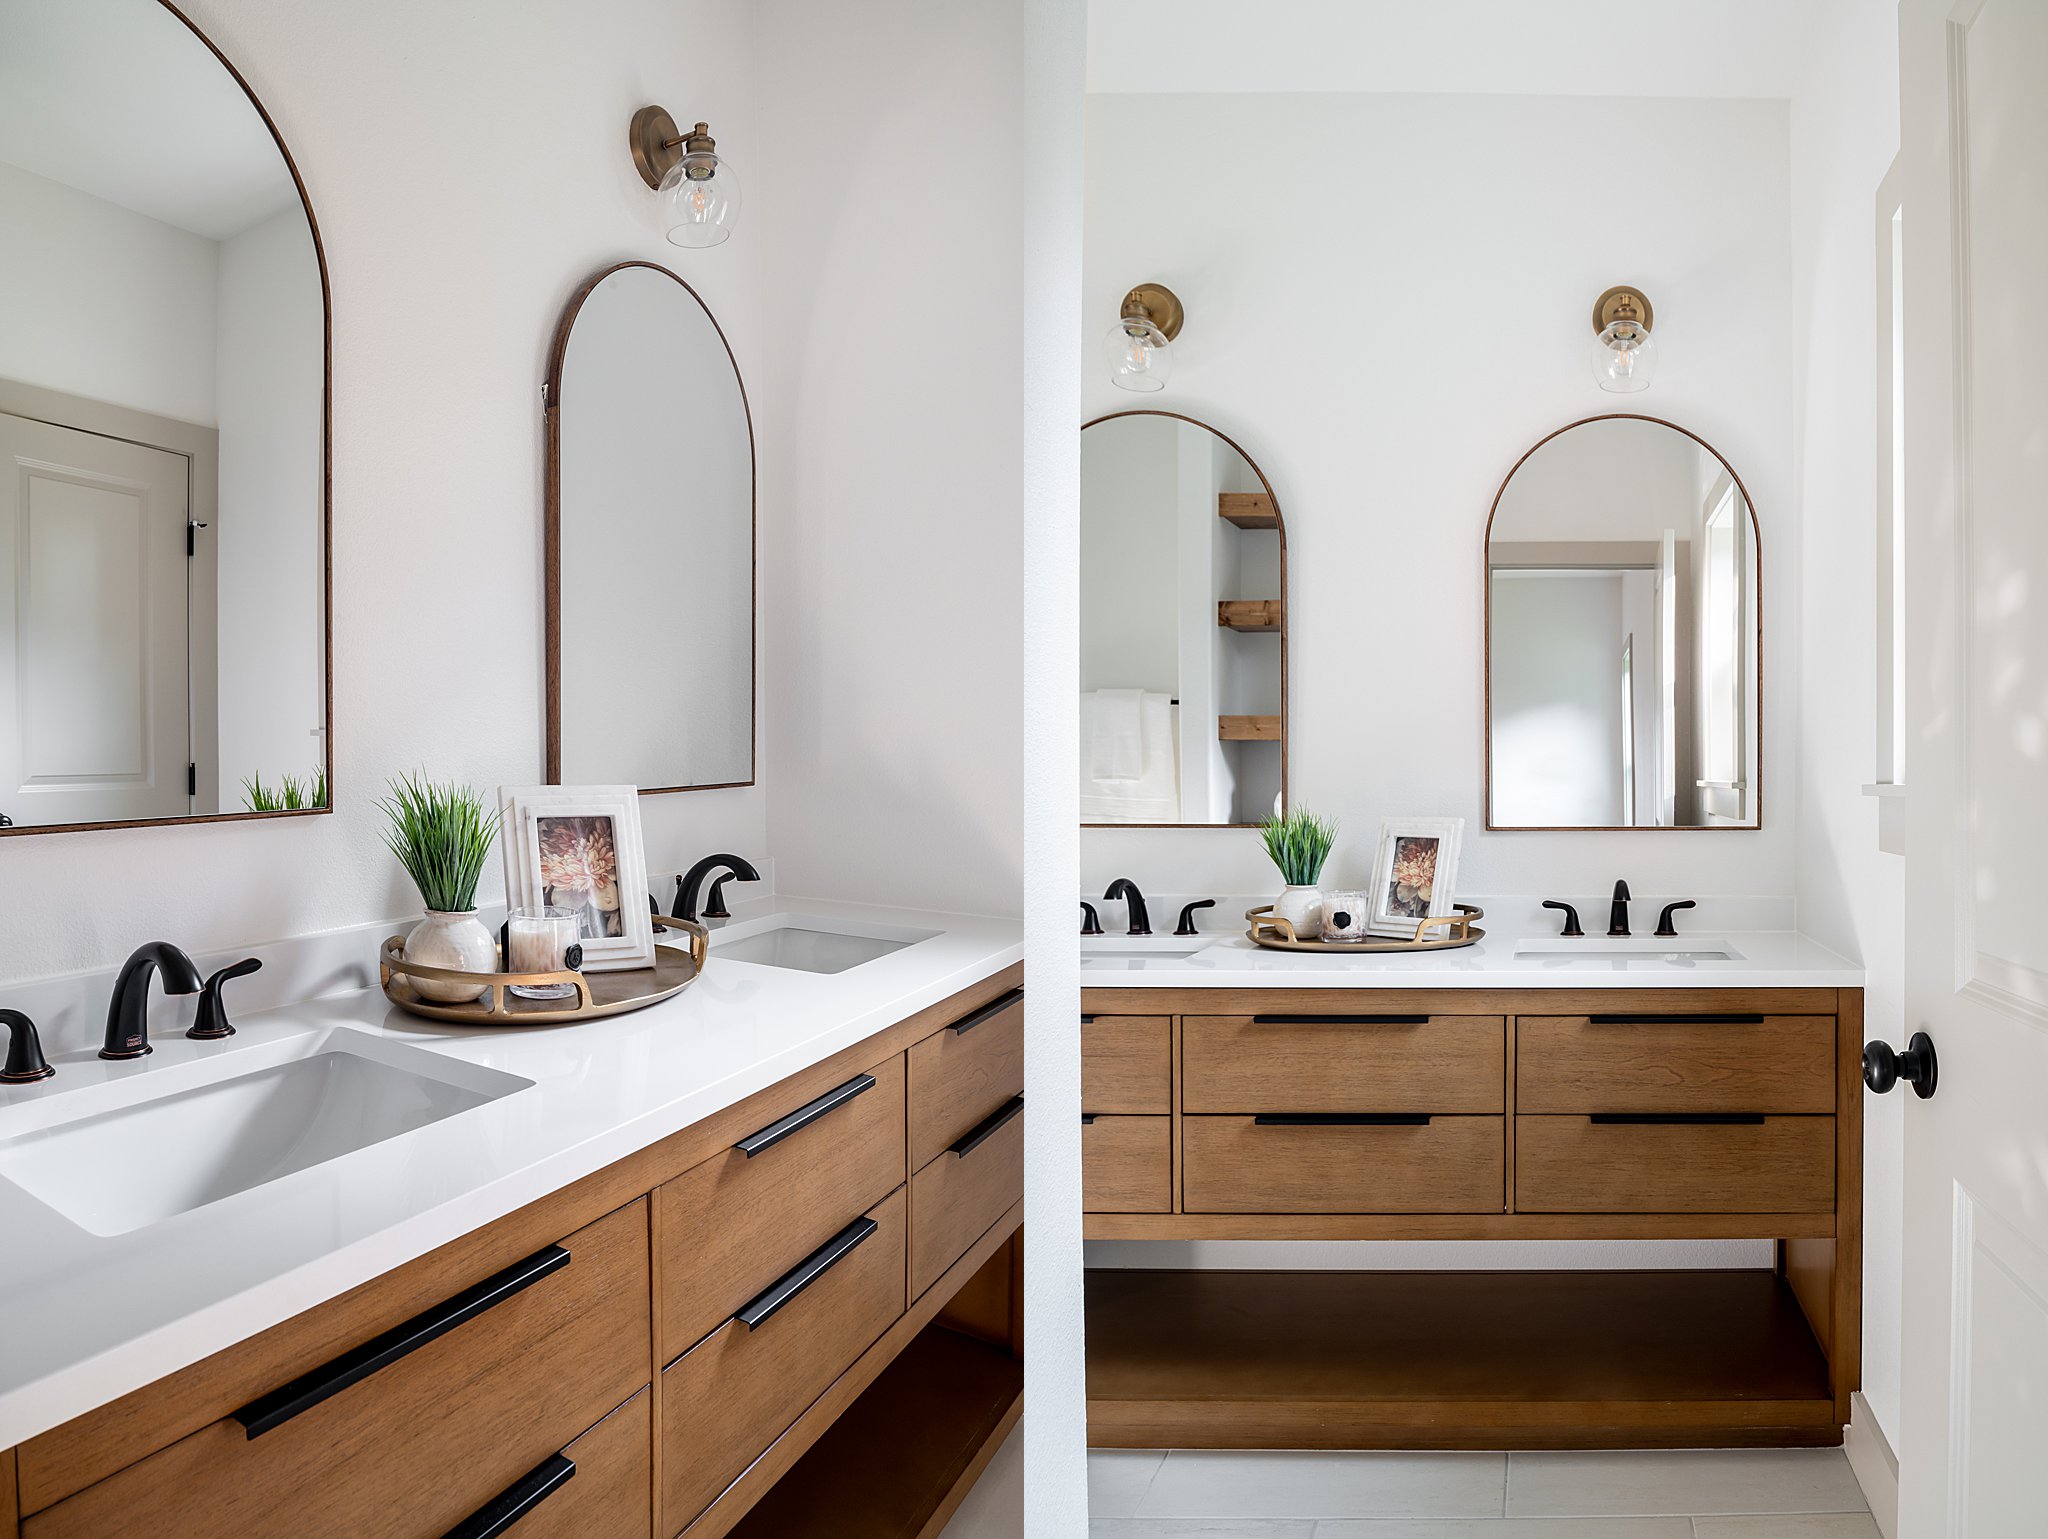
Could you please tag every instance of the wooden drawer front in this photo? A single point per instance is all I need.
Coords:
(955, 1198)
(1253, 1165)
(598, 1486)
(1578, 1063)
(729, 1397)
(1580, 1165)
(960, 1075)
(1127, 1165)
(1127, 1064)
(418, 1445)
(729, 1227)
(1343, 1063)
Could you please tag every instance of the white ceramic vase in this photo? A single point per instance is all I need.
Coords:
(1301, 907)
(451, 940)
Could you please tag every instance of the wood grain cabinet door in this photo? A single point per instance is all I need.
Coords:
(734, 1393)
(1126, 1164)
(957, 1196)
(1658, 1063)
(415, 1446)
(1127, 1064)
(729, 1227)
(1344, 1163)
(1343, 1063)
(959, 1075)
(1625, 1164)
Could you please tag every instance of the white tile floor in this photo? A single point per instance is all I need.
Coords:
(1793, 1493)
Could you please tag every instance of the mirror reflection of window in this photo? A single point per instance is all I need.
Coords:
(1621, 670)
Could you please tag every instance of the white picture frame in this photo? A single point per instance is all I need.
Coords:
(1396, 910)
(596, 828)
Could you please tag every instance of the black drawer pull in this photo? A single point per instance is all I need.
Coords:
(273, 1410)
(1340, 1020)
(988, 1128)
(1677, 1119)
(1736, 1019)
(1341, 1120)
(987, 1012)
(807, 1271)
(804, 1116)
(1086, 1019)
(497, 1515)
(1087, 1119)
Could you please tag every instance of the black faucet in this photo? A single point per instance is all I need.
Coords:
(128, 1012)
(1090, 924)
(1187, 917)
(25, 1062)
(1617, 916)
(1123, 887)
(1664, 924)
(1571, 917)
(212, 1022)
(692, 880)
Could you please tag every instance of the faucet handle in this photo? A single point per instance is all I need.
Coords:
(1091, 922)
(25, 1062)
(1664, 924)
(212, 1023)
(1187, 917)
(1571, 917)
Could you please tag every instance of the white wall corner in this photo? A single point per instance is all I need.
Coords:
(1874, 1465)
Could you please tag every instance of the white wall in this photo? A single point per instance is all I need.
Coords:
(1398, 309)
(1131, 573)
(451, 258)
(266, 535)
(892, 244)
(103, 302)
(1845, 131)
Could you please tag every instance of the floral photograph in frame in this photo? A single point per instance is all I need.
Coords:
(579, 848)
(1414, 874)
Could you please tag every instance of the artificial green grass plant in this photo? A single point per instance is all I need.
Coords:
(1299, 844)
(290, 794)
(442, 836)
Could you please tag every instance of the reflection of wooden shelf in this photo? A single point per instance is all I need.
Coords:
(1247, 510)
(1211, 1359)
(1248, 729)
(1248, 614)
(900, 1458)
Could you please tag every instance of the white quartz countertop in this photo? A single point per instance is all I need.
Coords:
(1521, 949)
(85, 1318)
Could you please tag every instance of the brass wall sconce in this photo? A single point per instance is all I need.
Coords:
(1139, 347)
(1625, 354)
(699, 192)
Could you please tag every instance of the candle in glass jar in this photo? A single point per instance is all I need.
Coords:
(537, 940)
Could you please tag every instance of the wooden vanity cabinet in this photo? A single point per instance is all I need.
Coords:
(645, 1352)
(1445, 1114)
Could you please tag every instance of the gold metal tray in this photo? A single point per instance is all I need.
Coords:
(1277, 934)
(597, 995)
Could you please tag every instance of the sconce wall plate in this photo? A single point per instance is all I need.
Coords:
(658, 144)
(1158, 304)
(1623, 303)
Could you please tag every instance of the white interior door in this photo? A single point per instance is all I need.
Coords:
(94, 720)
(1974, 1434)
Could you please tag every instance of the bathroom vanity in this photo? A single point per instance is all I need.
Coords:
(771, 1228)
(1475, 1095)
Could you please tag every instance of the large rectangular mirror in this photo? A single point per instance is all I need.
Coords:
(1623, 634)
(650, 541)
(1183, 627)
(163, 433)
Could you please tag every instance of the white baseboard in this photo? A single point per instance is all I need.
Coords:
(1874, 1464)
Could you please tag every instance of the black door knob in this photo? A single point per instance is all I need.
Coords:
(1883, 1068)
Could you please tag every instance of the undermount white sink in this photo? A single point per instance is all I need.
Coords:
(810, 943)
(1602, 948)
(137, 1151)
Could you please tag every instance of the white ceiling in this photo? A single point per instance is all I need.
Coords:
(118, 99)
(1743, 48)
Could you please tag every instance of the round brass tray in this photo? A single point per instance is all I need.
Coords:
(597, 994)
(1277, 934)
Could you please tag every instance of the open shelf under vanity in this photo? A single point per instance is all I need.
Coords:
(1638, 1359)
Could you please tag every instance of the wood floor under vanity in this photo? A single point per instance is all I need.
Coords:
(1565, 1114)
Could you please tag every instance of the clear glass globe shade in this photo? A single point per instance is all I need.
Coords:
(701, 198)
(1625, 358)
(1138, 355)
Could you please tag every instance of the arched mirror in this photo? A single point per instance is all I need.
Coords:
(650, 541)
(163, 433)
(1183, 627)
(1623, 634)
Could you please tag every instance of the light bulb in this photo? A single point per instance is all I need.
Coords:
(1138, 354)
(1625, 357)
(703, 199)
